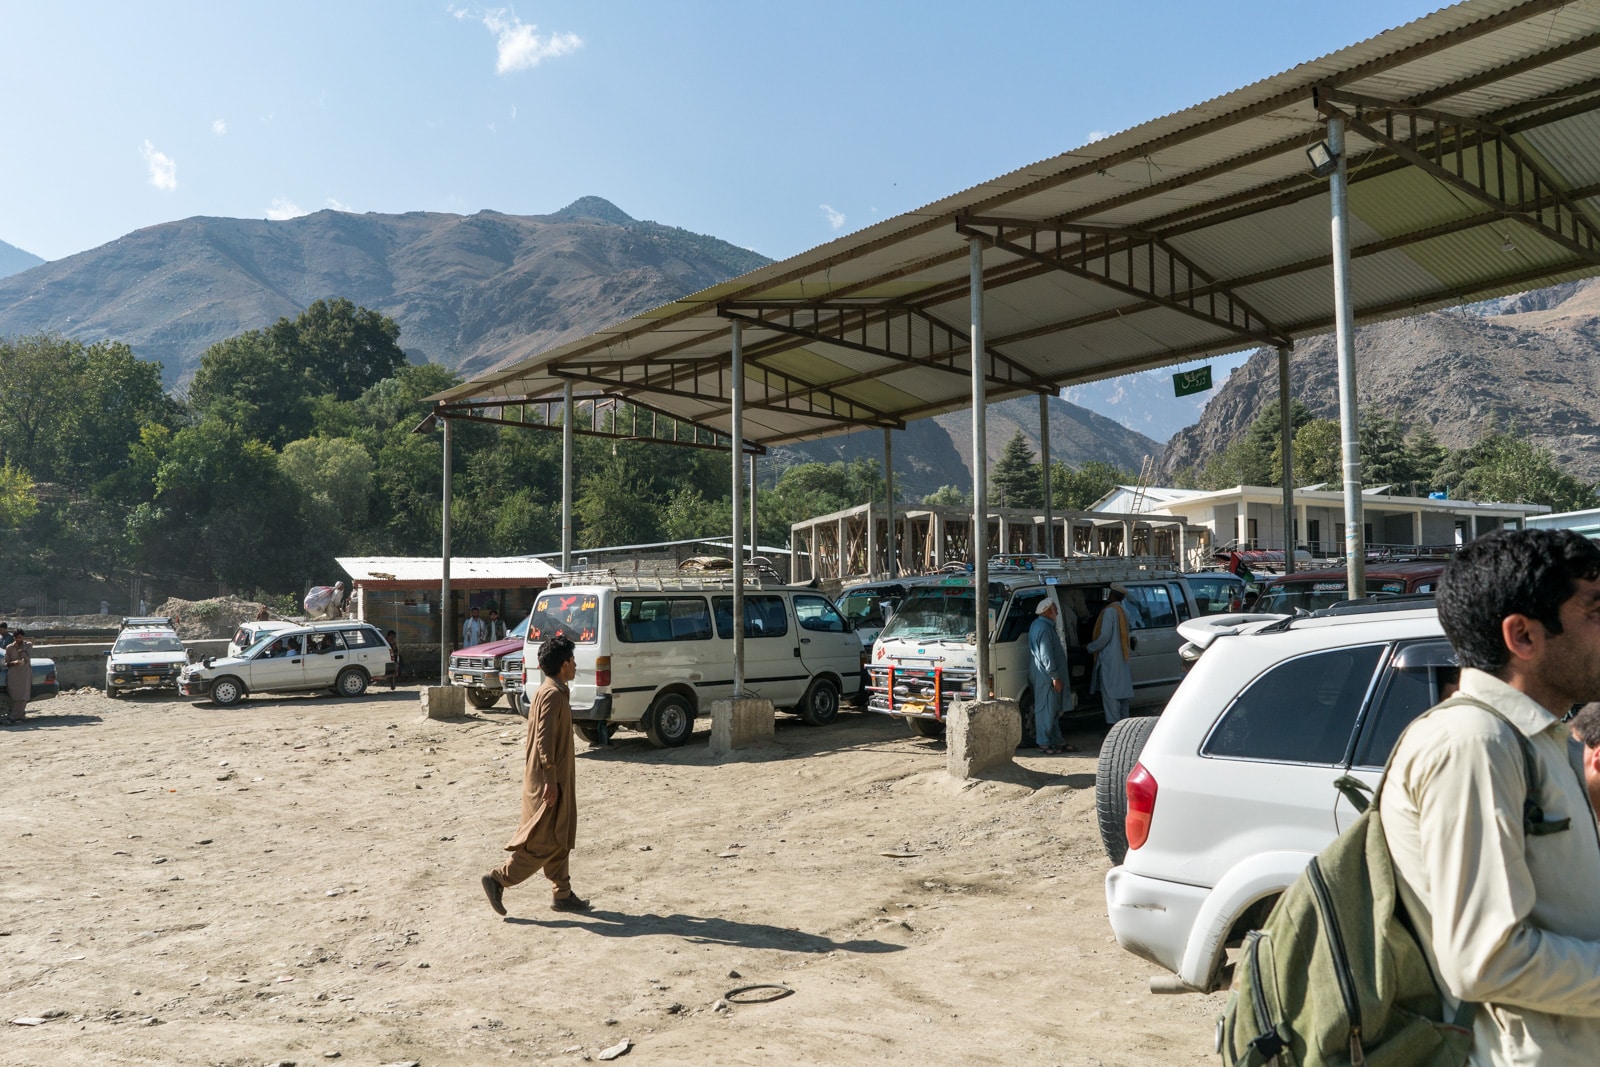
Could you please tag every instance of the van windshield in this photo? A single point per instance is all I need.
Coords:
(867, 607)
(940, 611)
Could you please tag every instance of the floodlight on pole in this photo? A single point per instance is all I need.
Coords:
(1323, 161)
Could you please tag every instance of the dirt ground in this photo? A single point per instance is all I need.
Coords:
(296, 880)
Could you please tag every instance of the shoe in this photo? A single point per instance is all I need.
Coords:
(571, 902)
(494, 890)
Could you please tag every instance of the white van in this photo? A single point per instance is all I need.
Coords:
(655, 652)
(925, 657)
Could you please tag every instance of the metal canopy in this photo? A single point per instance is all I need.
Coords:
(1473, 141)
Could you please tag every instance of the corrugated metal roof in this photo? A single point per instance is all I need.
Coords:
(427, 569)
(1212, 208)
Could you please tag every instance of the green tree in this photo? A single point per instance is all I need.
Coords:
(334, 476)
(18, 503)
(1076, 490)
(342, 349)
(613, 509)
(39, 376)
(1317, 456)
(948, 496)
(1015, 480)
(1503, 467)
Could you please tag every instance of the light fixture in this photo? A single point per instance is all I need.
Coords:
(1323, 161)
(1508, 246)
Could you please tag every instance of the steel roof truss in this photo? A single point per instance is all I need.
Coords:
(605, 420)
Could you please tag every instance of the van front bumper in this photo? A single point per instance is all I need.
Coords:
(599, 711)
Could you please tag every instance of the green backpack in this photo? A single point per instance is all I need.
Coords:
(1336, 976)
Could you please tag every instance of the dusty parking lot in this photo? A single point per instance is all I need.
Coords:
(296, 879)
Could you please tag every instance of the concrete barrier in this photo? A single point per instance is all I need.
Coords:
(741, 723)
(83, 665)
(981, 735)
(443, 702)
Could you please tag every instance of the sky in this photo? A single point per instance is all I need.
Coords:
(776, 126)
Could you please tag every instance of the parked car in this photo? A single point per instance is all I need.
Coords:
(147, 654)
(45, 683)
(340, 654)
(253, 630)
(478, 667)
(1214, 591)
(652, 654)
(924, 658)
(1313, 590)
(1211, 810)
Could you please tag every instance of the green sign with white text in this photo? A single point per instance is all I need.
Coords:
(1187, 382)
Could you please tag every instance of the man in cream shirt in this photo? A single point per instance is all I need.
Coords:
(1507, 903)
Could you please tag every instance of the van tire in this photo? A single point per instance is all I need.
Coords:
(517, 705)
(483, 698)
(670, 720)
(925, 727)
(596, 733)
(820, 705)
(1118, 754)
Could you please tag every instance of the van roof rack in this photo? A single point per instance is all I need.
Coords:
(661, 576)
(146, 621)
(1085, 568)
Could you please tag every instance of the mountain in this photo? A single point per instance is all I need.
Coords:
(467, 291)
(930, 453)
(14, 260)
(1145, 402)
(1527, 361)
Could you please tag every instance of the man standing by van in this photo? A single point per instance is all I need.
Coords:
(549, 827)
(1499, 874)
(1047, 679)
(1113, 649)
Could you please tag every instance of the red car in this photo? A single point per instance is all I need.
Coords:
(477, 668)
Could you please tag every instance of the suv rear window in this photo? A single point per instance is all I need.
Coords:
(1301, 711)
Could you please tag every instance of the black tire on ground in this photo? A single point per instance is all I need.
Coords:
(1117, 756)
(483, 698)
(925, 727)
(820, 705)
(596, 733)
(1030, 736)
(670, 720)
(517, 704)
(227, 691)
(352, 682)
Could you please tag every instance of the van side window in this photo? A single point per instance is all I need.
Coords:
(763, 616)
(1151, 607)
(815, 613)
(1301, 711)
(1024, 608)
(652, 617)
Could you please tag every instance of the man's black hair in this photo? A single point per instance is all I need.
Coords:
(1510, 572)
(553, 653)
(1586, 725)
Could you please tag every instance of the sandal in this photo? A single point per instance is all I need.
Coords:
(1049, 750)
(1067, 748)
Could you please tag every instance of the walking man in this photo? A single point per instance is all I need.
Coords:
(474, 631)
(1047, 679)
(1499, 874)
(549, 827)
(1113, 649)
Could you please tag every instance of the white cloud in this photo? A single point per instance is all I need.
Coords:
(219, 127)
(339, 205)
(518, 44)
(835, 218)
(283, 208)
(1098, 135)
(163, 171)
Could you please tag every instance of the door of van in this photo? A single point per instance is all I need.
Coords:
(772, 666)
(1009, 656)
(1154, 611)
(826, 644)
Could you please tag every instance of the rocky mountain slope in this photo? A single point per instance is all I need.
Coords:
(14, 260)
(1528, 361)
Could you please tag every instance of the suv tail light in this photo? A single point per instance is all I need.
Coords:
(602, 671)
(1141, 790)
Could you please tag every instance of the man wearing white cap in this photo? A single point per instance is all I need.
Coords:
(1047, 678)
(1113, 648)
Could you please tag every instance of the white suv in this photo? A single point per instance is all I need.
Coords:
(147, 654)
(1232, 792)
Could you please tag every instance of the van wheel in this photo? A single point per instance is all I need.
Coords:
(670, 720)
(517, 705)
(1030, 736)
(596, 733)
(226, 691)
(352, 682)
(925, 727)
(820, 705)
(483, 698)
(1117, 756)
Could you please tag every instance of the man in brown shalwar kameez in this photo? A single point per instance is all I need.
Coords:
(549, 827)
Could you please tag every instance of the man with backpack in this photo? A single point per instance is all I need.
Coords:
(1495, 853)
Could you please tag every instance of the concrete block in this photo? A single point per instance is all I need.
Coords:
(741, 724)
(981, 735)
(443, 702)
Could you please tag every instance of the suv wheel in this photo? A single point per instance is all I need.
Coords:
(483, 698)
(820, 705)
(670, 720)
(1117, 756)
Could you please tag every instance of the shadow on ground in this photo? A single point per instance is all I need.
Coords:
(708, 930)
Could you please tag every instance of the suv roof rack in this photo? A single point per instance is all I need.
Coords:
(1370, 604)
(146, 621)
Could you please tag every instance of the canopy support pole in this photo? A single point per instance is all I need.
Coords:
(892, 548)
(1355, 552)
(566, 477)
(1044, 464)
(736, 446)
(980, 480)
(446, 626)
(1285, 442)
(755, 545)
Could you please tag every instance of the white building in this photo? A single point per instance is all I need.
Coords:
(1251, 516)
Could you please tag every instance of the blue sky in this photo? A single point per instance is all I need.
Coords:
(774, 126)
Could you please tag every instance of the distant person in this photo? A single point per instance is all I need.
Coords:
(1047, 678)
(6, 636)
(549, 827)
(1249, 601)
(19, 674)
(1498, 868)
(474, 631)
(1585, 727)
(1113, 651)
(263, 615)
(497, 629)
(399, 664)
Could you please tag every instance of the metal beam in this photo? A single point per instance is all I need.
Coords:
(662, 427)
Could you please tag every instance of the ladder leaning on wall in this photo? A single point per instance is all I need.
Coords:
(1146, 473)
